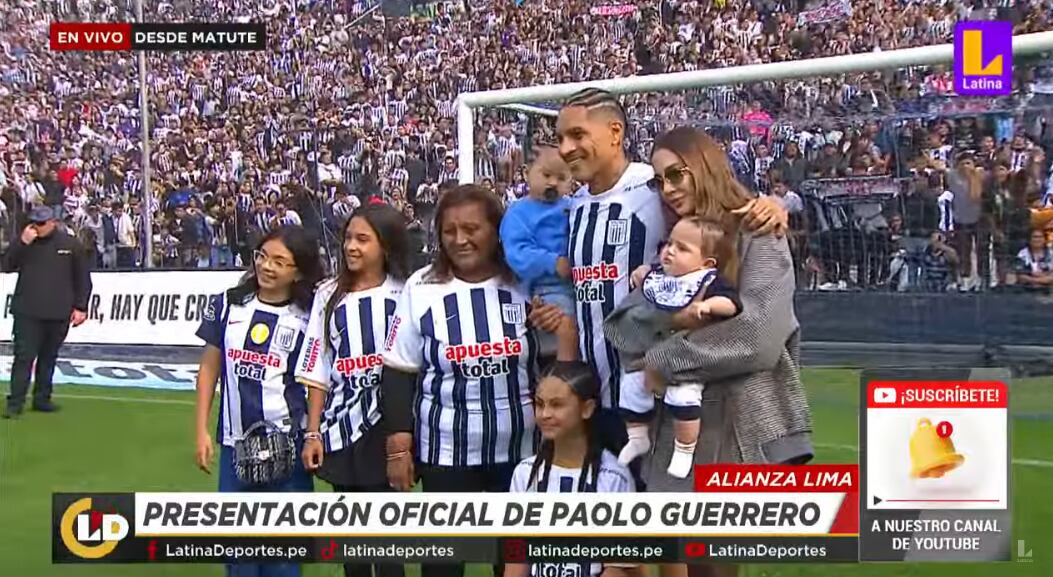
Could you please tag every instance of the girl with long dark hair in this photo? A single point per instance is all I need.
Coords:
(574, 456)
(341, 362)
(253, 334)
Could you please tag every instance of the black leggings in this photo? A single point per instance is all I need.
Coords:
(487, 479)
(367, 569)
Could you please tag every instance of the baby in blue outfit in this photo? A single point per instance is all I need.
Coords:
(535, 232)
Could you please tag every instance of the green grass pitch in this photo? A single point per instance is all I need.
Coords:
(109, 440)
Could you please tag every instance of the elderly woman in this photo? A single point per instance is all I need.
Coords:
(459, 365)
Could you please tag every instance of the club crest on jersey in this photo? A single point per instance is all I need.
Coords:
(259, 333)
(285, 337)
(617, 232)
(512, 313)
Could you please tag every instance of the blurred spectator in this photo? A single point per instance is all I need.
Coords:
(1034, 263)
(333, 116)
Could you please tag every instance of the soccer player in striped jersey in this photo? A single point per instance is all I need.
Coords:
(572, 457)
(459, 362)
(341, 360)
(253, 334)
(616, 224)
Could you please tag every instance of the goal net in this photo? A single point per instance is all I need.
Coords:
(867, 158)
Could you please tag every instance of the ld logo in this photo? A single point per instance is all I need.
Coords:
(1023, 554)
(81, 525)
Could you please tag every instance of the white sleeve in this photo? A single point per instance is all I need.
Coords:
(404, 346)
(312, 368)
(521, 476)
(622, 484)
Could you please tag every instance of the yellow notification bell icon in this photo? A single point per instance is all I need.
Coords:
(931, 454)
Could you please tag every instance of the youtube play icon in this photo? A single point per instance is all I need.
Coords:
(884, 395)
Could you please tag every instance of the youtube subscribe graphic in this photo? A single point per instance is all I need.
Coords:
(935, 465)
(118, 36)
(937, 445)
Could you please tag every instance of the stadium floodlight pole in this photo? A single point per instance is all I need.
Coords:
(144, 114)
(1023, 45)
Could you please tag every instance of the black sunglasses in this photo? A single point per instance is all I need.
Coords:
(674, 176)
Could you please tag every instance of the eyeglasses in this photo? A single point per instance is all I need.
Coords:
(261, 257)
(674, 176)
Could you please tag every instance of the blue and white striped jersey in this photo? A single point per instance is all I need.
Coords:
(945, 202)
(349, 365)
(259, 343)
(611, 234)
(476, 364)
(613, 477)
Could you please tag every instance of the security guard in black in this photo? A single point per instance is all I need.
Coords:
(54, 283)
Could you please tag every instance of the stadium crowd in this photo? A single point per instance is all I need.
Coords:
(337, 115)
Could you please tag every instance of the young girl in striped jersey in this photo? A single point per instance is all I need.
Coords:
(572, 457)
(253, 334)
(341, 361)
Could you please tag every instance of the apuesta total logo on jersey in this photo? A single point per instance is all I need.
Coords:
(483, 360)
(363, 371)
(588, 280)
(252, 365)
(983, 58)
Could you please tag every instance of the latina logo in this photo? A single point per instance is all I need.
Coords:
(983, 58)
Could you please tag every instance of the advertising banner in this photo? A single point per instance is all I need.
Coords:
(136, 308)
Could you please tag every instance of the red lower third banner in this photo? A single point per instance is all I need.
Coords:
(741, 513)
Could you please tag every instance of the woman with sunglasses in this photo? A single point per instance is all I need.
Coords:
(754, 407)
(341, 362)
(253, 334)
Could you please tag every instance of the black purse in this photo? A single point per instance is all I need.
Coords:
(264, 455)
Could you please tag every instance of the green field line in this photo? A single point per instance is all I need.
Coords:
(840, 447)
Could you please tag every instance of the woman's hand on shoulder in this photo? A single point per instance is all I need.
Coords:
(764, 215)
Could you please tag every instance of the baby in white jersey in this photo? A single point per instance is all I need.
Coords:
(686, 284)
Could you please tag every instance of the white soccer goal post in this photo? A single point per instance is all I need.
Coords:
(519, 98)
